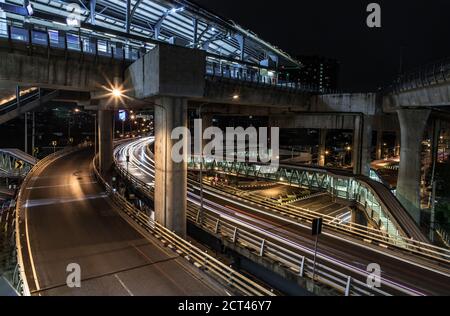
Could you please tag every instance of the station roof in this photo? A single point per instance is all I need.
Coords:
(161, 20)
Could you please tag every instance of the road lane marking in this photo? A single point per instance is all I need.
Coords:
(61, 185)
(36, 281)
(123, 285)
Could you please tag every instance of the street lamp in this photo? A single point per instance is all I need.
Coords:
(118, 94)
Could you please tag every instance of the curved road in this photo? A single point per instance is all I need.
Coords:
(415, 277)
(69, 219)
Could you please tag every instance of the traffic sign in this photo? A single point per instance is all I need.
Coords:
(317, 226)
(19, 164)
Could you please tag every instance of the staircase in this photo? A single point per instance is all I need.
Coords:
(28, 102)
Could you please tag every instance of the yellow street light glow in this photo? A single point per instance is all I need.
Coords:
(236, 97)
(117, 93)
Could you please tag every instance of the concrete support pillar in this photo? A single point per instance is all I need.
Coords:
(412, 126)
(322, 147)
(362, 145)
(170, 176)
(105, 141)
(379, 151)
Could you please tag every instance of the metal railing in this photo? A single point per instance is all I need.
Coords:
(199, 258)
(363, 232)
(425, 76)
(254, 75)
(443, 234)
(291, 257)
(79, 40)
(132, 47)
(21, 273)
(8, 258)
(33, 94)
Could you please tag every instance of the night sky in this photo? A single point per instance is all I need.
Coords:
(369, 58)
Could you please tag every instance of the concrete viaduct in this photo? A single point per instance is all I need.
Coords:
(173, 78)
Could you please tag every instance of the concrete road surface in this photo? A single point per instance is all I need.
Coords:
(69, 219)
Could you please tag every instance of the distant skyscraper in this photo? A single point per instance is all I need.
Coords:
(318, 72)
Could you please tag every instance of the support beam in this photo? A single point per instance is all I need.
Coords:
(26, 133)
(241, 40)
(412, 127)
(135, 7)
(92, 5)
(128, 16)
(322, 147)
(362, 145)
(195, 35)
(33, 134)
(170, 176)
(105, 118)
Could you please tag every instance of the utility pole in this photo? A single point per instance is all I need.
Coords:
(33, 133)
(316, 231)
(433, 212)
(95, 134)
(26, 132)
(201, 163)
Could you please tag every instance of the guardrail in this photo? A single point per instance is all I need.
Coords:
(8, 257)
(24, 287)
(292, 258)
(259, 77)
(193, 254)
(431, 74)
(280, 253)
(365, 233)
(443, 234)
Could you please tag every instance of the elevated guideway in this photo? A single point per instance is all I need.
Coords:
(224, 212)
(65, 216)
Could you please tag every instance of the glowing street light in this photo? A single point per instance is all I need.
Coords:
(117, 93)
